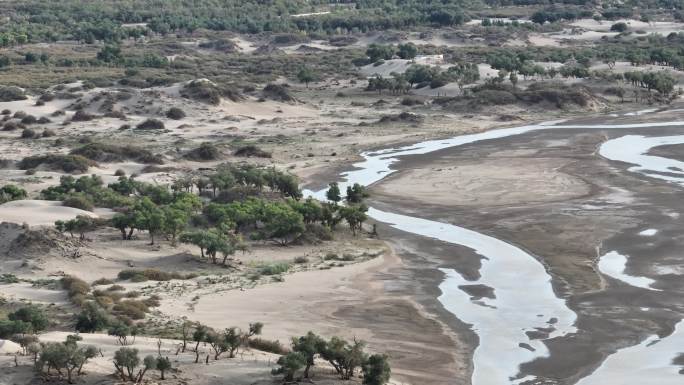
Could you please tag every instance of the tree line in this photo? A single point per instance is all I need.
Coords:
(66, 359)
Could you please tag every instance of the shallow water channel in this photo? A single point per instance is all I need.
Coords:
(523, 299)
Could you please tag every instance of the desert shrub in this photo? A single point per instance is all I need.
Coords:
(116, 288)
(44, 120)
(9, 126)
(19, 115)
(205, 151)
(411, 101)
(301, 260)
(131, 308)
(267, 346)
(151, 274)
(289, 39)
(175, 113)
(82, 116)
(47, 133)
(66, 163)
(152, 301)
(31, 315)
(5, 112)
(47, 97)
(206, 91)
(101, 152)
(277, 92)
(250, 150)
(28, 133)
(151, 124)
(116, 114)
(79, 202)
(119, 172)
(75, 286)
(10, 94)
(223, 45)
(402, 117)
(274, 268)
(102, 281)
(29, 119)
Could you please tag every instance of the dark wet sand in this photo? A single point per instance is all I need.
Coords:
(565, 235)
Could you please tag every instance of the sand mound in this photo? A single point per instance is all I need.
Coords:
(9, 347)
(42, 242)
(38, 212)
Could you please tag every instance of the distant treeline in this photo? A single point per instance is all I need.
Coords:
(88, 21)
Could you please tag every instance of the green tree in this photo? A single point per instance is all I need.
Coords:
(376, 371)
(333, 194)
(199, 336)
(110, 54)
(125, 362)
(377, 52)
(309, 345)
(122, 331)
(31, 315)
(163, 364)
(11, 192)
(289, 365)
(92, 318)
(356, 193)
(148, 216)
(307, 75)
(407, 51)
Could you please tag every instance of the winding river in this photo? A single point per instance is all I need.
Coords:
(523, 298)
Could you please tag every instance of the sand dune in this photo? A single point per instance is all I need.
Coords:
(38, 212)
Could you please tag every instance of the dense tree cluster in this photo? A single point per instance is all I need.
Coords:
(423, 75)
(345, 357)
(245, 201)
(113, 21)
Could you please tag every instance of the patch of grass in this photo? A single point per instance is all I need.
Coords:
(274, 268)
(267, 346)
(151, 275)
(301, 260)
(8, 278)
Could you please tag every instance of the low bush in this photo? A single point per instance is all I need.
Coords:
(29, 119)
(79, 202)
(151, 274)
(206, 91)
(11, 94)
(102, 281)
(151, 124)
(205, 151)
(175, 113)
(267, 346)
(274, 268)
(131, 308)
(101, 152)
(251, 150)
(277, 92)
(82, 116)
(28, 133)
(57, 162)
(75, 286)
